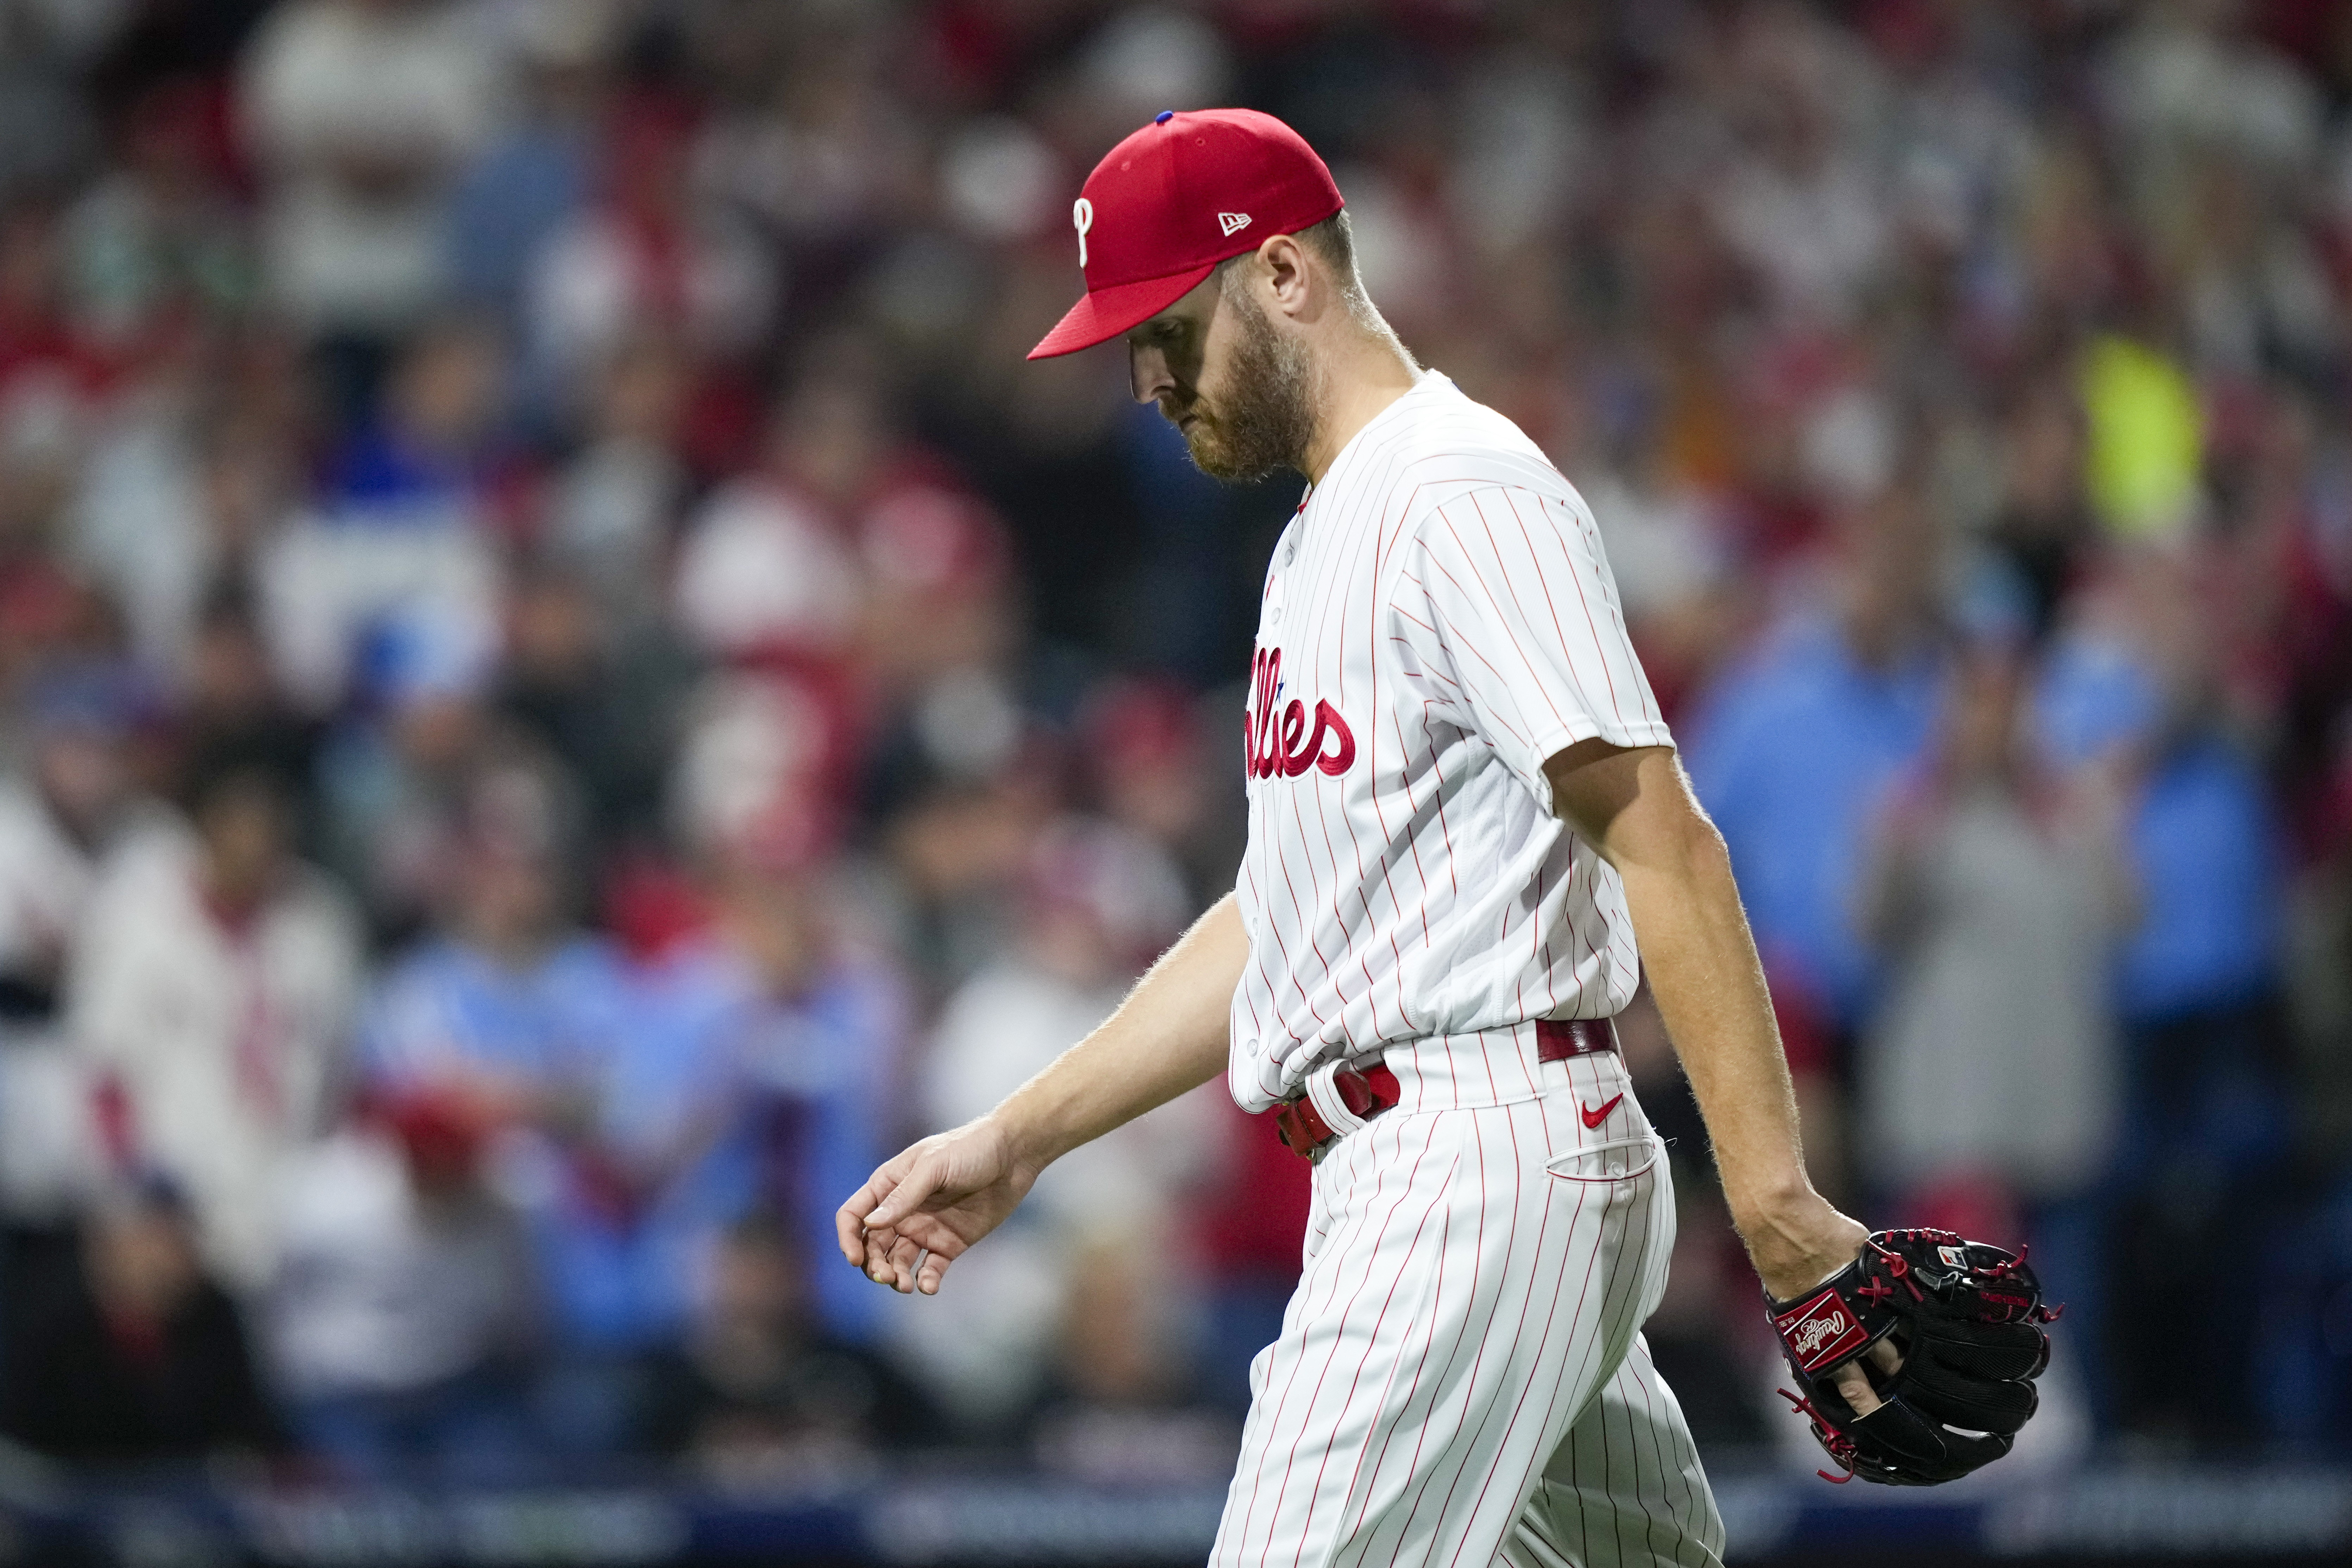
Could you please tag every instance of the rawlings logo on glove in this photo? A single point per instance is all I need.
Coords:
(1821, 1332)
(1966, 1320)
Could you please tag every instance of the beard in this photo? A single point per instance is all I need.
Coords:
(1264, 422)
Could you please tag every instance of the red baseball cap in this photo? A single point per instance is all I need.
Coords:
(1174, 199)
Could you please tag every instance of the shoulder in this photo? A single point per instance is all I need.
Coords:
(1449, 454)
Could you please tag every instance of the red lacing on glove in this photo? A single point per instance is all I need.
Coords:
(1899, 1267)
(1842, 1450)
(1925, 1233)
(2009, 1266)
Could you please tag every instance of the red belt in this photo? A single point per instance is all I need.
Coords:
(1370, 1090)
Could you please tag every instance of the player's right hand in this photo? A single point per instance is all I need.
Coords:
(923, 1208)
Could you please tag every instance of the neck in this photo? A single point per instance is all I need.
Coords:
(1359, 377)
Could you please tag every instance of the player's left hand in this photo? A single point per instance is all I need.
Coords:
(1796, 1249)
(1969, 1318)
(1794, 1253)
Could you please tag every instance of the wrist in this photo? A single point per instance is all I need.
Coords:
(1795, 1251)
(1784, 1202)
(1027, 1137)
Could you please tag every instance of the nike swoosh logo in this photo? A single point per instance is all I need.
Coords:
(1594, 1115)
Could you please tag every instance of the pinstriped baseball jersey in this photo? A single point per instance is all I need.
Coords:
(1438, 620)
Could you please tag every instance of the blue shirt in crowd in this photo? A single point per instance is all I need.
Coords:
(709, 1097)
(554, 1022)
(2204, 846)
(1791, 753)
(796, 1097)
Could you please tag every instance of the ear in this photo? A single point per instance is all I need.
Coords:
(1288, 277)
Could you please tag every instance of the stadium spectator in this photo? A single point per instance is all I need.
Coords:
(769, 566)
(405, 1314)
(391, 778)
(1150, 768)
(400, 536)
(511, 1007)
(535, 171)
(137, 1355)
(155, 244)
(175, 509)
(363, 113)
(628, 394)
(61, 819)
(763, 1069)
(758, 1392)
(2208, 1130)
(211, 985)
(653, 253)
(613, 516)
(601, 691)
(1989, 1081)
(1097, 903)
(1792, 752)
(1994, 894)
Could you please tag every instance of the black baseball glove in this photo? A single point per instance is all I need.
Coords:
(1967, 1321)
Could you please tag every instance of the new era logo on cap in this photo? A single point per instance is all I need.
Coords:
(1142, 243)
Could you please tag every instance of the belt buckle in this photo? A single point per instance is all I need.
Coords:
(1291, 1122)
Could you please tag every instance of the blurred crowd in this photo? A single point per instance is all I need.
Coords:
(564, 691)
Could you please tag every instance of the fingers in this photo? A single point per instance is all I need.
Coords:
(850, 1219)
(905, 1258)
(896, 1228)
(1855, 1385)
(902, 1263)
(1854, 1382)
(909, 1194)
(854, 1220)
(914, 1256)
(876, 1259)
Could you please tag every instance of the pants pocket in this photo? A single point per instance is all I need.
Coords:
(1611, 1160)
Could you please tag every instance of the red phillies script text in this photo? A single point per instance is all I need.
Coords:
(1279, 743)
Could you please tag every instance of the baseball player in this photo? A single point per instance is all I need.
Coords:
(1463, 806)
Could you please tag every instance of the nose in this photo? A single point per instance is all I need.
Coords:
(1147, 371)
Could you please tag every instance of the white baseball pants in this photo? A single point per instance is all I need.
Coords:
(1461, 1379)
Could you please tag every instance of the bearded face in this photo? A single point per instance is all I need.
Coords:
(1251, 414)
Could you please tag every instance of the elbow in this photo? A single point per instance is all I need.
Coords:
(1704, 854)
(1682, 845)
(1692, 841)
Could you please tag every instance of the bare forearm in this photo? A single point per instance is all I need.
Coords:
(1637, 807)
(1167, 1038)
(1710, 989)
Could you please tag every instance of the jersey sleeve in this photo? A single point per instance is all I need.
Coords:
(1505, 600)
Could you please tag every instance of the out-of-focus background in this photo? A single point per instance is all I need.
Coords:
(564, 691)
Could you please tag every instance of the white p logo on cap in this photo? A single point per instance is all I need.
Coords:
(1083, 215)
